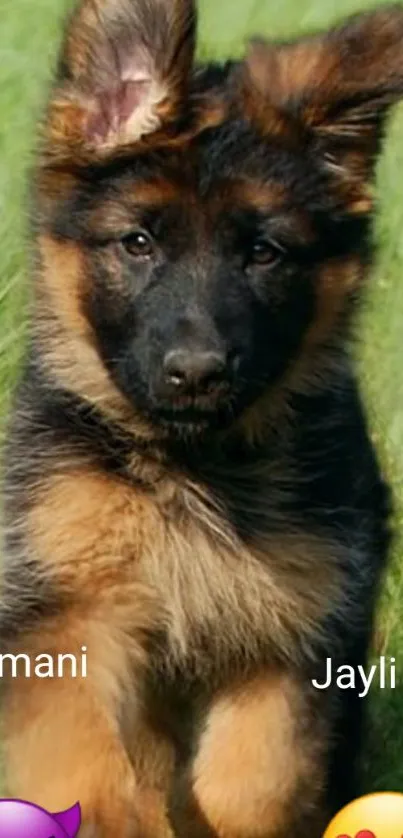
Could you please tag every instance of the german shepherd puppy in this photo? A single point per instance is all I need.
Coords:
(191, 492)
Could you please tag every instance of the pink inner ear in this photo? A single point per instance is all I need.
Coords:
(132, 94)
(115, 107)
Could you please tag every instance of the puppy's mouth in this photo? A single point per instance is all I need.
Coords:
(193, 417)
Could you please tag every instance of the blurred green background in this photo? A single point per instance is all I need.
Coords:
(29, 36)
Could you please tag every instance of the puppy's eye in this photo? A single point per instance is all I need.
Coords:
(138, 245)
(264, 253)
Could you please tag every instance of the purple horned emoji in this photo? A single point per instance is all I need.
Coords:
(19, 819)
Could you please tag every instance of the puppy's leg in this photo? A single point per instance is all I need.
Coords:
(64, 742)
(65, 737)
(259, 767)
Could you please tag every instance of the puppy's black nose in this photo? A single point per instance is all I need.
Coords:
(186, 369)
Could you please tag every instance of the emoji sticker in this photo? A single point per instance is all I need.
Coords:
(374, 816)
(19, 819)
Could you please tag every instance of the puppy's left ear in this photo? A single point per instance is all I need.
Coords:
(123, 75)
(332, 92)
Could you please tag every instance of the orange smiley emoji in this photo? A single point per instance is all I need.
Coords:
(373, 816)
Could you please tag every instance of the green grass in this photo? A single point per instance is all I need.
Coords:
(29, 35)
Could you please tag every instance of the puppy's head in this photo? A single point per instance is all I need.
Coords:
(203, 231)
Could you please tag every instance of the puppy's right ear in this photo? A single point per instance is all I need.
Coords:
(332, 93)
(123, 74)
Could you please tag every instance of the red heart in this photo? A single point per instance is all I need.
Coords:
(365, 833)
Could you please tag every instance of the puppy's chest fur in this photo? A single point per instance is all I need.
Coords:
(236, 581)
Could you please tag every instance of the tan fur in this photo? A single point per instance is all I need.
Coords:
(182, 566)
(72, 723)
(87, 541)
(254, 758)
(68, 343)
(337, 280)
(263, 196)
(127, 563)
(118, 215)
(300, 67)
